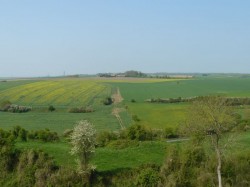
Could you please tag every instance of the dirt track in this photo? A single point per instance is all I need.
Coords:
(117, 98)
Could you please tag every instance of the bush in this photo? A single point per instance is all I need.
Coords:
(19, 133)
(18, 109)
(108, 101)
(170, 133)
(81, 110)
(51, 108)
(44, 135)
(104, 137)
(139, 132)
(135, 118)
(133, 100)
(148, 177)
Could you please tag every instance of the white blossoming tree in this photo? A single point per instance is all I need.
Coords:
(83, 140)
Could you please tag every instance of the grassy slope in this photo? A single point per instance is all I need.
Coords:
(159, 115)
(105, 158)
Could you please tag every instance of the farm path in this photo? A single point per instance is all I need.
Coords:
(117, 98)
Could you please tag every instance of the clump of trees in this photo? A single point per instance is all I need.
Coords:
(7, 106)
(87, 109)
(231, 101)
(136, 133)
(170, 100)
(21, 134)
(133, 73)
(43, 135)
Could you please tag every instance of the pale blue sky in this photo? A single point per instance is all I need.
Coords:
(41, 37)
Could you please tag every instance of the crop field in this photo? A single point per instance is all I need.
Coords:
(64, 92)
(171, 115)
(67, 93)
(228, 86)
(13, 83)
(102, 119)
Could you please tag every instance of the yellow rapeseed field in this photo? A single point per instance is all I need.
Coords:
(63, 92)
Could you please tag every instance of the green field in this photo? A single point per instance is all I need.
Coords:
(59, 121)
(229, 86)
(67, 93)
(171, 115)
(4, 85)
(159, 116)
(62, 94)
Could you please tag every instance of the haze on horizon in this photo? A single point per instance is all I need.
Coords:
(39, 38)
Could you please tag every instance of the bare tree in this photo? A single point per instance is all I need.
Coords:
(211, 117)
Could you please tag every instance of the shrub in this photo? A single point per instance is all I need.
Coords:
(107, 101)
(81, 110)
(19, 133)
(51, 108)
(44, 135)
(148, 177)
(18, 109)
(133, 100)
(170, 133)
(135, 118)
(104, 137)
(139, 132)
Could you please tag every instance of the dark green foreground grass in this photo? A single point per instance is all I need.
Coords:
(108, 159)
(105, 159)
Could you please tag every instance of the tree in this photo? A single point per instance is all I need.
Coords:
(211, 117)
(83, 140)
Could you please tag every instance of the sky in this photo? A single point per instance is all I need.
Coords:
(50, 37)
